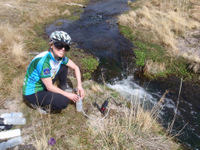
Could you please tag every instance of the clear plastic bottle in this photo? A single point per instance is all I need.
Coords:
(11, 143)
(79, 105)
(15, 121)
(12, 115)
(3, 146)
(10, 134)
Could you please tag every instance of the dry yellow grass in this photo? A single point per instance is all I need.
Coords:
(96, 89)
(15, 87)
(195, 10)
(39, 132)
(154, 67)
(1, 77)
(131, 128)
(161, 22)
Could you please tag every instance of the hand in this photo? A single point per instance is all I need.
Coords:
(73, 97)
(80, 91)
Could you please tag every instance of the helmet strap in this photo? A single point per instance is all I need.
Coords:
(55, 56)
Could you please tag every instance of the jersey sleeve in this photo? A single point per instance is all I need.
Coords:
(65, 60)
(46, 70)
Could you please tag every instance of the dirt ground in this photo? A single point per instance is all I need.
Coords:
(190, 44)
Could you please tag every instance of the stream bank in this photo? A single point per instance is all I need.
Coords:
(97, 32)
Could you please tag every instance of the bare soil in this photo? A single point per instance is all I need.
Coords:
(191, 43)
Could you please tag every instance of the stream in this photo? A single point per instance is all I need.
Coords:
(97, 32)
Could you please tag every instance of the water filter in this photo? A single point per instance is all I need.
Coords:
(15, 121)
(79, 108)
(12, 115)
(79, 105)
(10, 134)
(11, 143)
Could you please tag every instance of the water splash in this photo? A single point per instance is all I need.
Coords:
(129, 89)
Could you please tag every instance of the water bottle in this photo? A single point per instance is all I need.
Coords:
(10, 134)
(79, 105)
(15, 121)
(12, 115)
(11, 143)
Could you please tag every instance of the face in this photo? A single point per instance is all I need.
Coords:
(59, 49)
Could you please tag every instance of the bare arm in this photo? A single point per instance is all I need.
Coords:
(50, 87)
(80, 90)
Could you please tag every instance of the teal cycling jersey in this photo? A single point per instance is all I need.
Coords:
(43, 65)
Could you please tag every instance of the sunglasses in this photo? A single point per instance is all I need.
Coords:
(60, 46)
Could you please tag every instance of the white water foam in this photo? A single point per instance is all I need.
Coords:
(128, 89)
(132, 91)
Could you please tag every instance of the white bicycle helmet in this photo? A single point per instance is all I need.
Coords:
(60, 36)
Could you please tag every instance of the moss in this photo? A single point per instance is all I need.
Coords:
(127, 32)
(89, 65)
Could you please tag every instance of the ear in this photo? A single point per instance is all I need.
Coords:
(51, 44)
(50, 47)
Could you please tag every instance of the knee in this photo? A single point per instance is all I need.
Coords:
(61, 104)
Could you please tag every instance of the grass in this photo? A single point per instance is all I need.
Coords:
(22, 24)
(154, 59)
(154, 27)
(131, 129)
(128, 126)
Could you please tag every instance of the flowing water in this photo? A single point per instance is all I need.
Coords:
(96, 31)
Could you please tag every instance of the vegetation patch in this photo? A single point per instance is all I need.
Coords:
(87, 62)
(154, 59)
(154, 27)
(89, 65)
